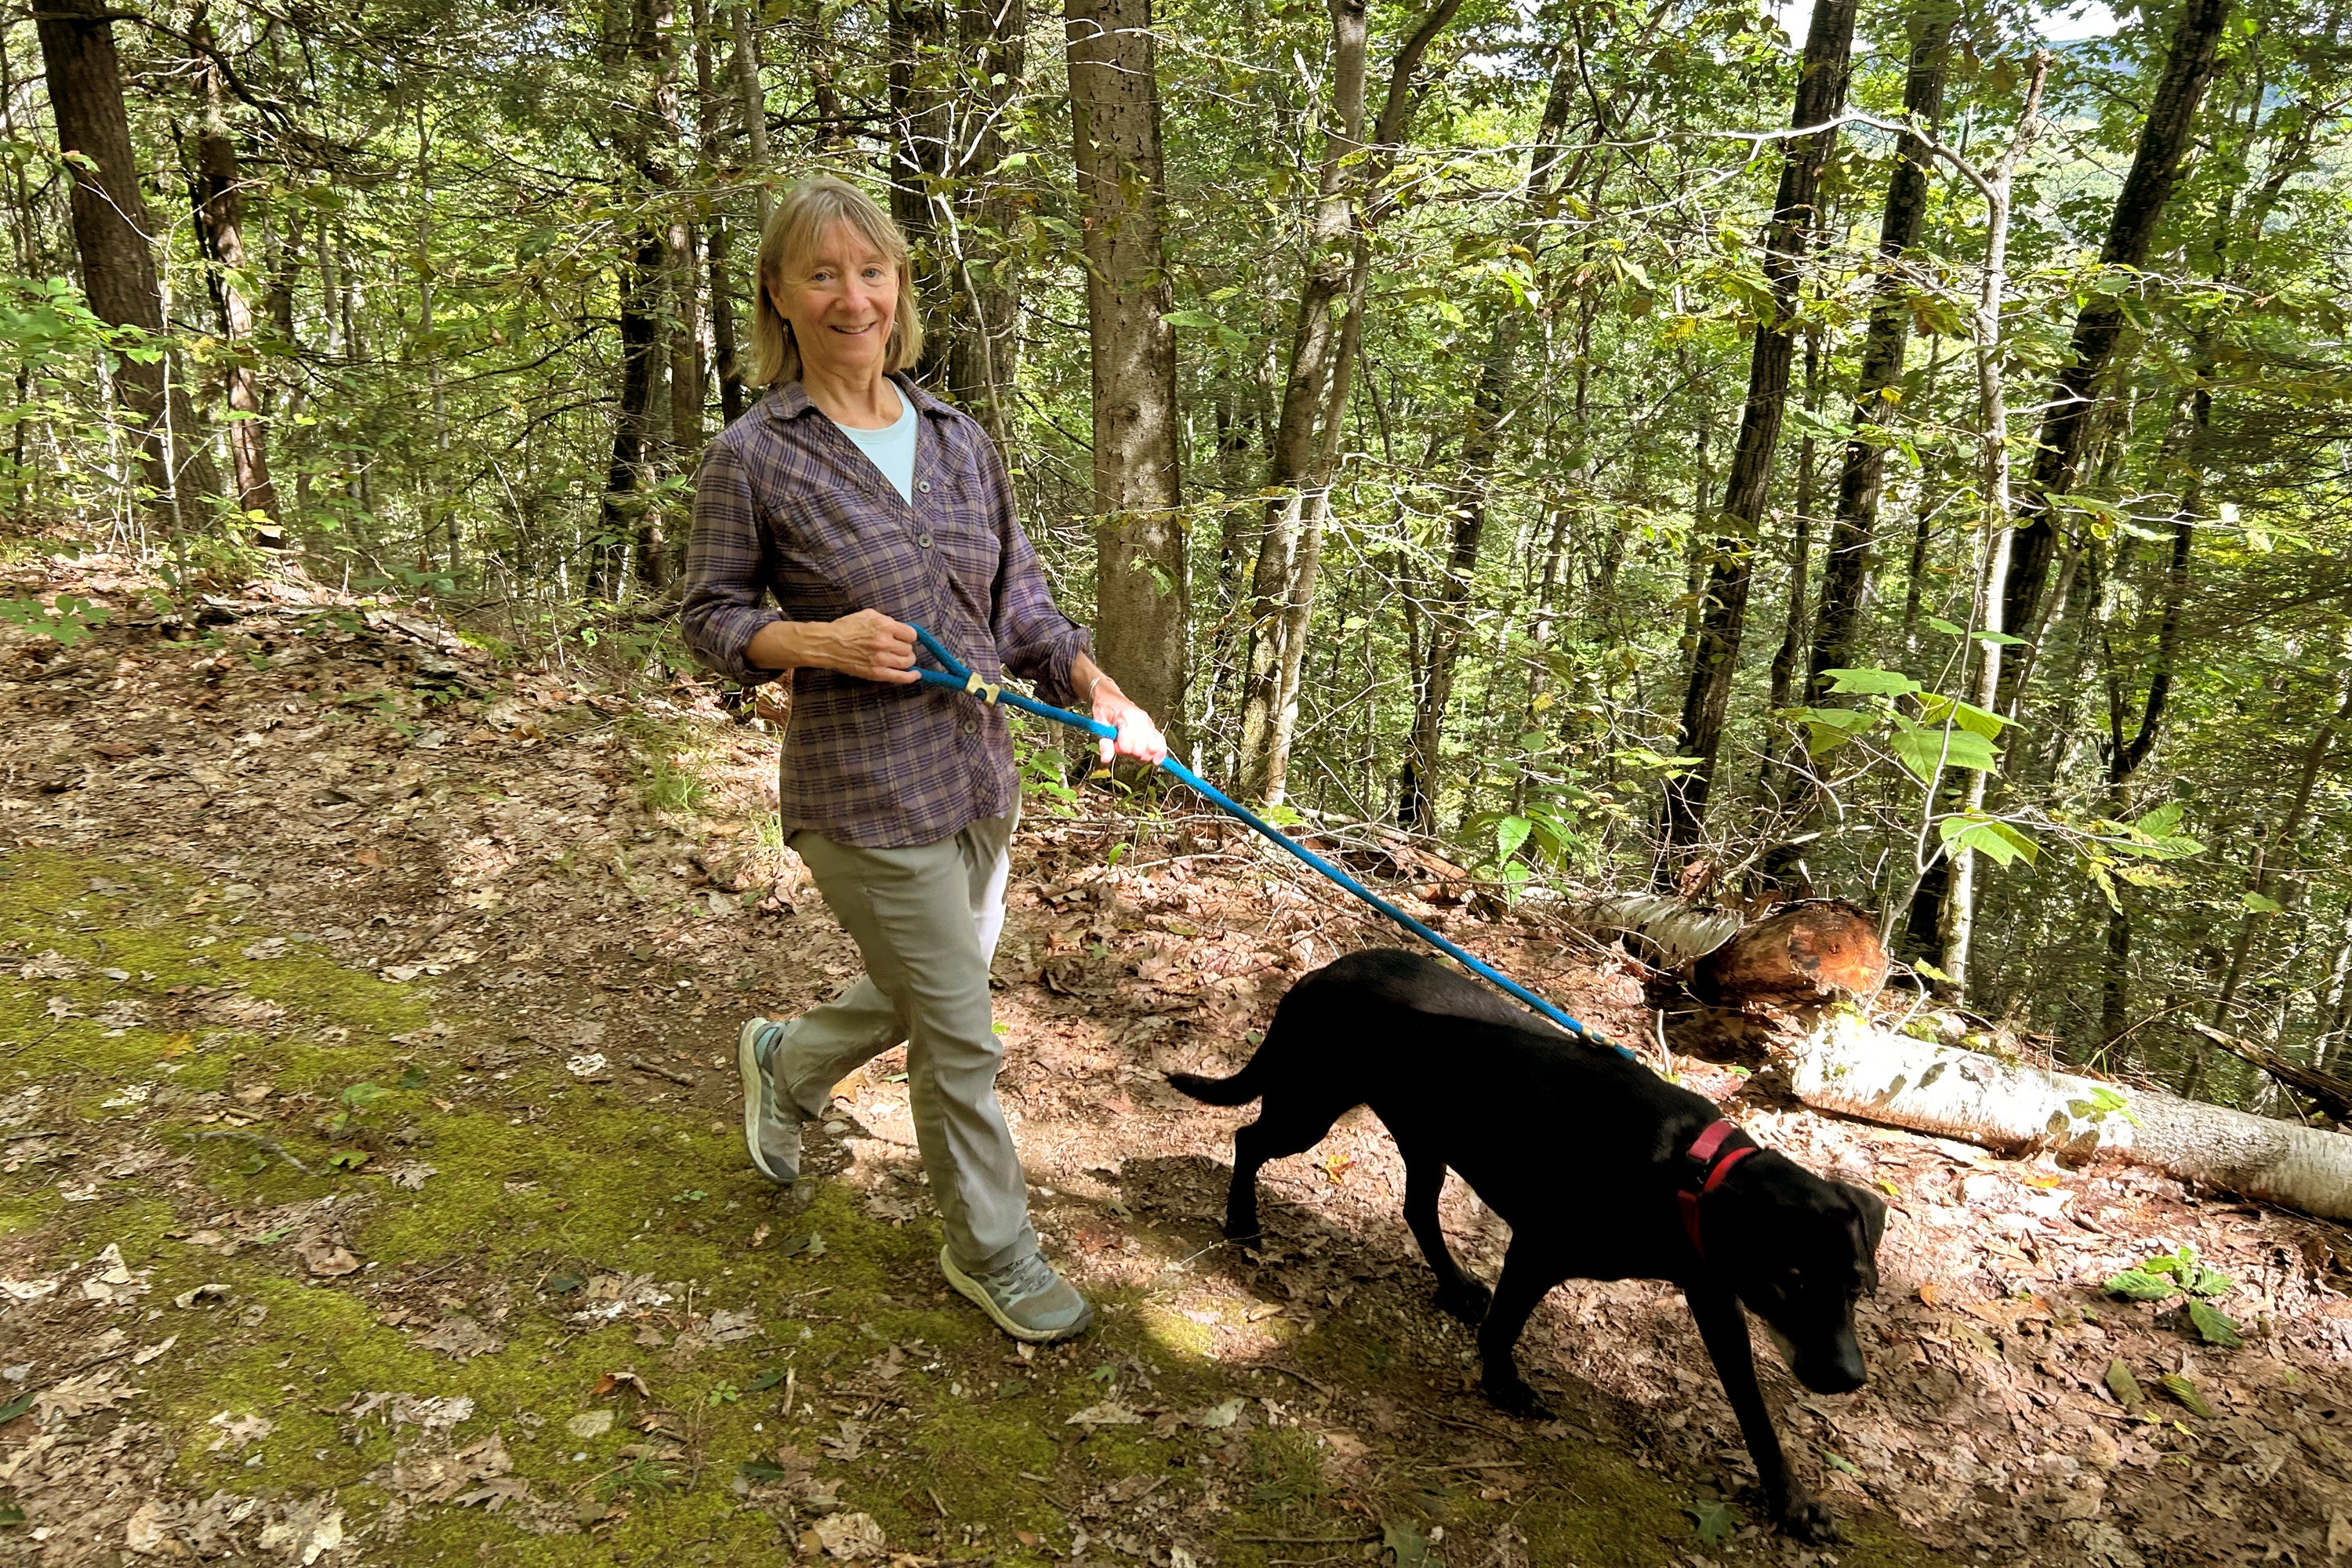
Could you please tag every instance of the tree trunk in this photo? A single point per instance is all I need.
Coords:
(219, 204)
(755, 118)
(1284, 574)
(2164, 137)
(1846, 567)
(1821, 95)
(1417, 781)
(1992, 422)
(984, 357)
(111, 228)
(2265, 879)
(1848, 1067)
(1142, 587)
(921, 124)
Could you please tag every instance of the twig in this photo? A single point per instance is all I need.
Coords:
(1301, 1376)
(267, 1145)
(1356, 1540)
(657, 1070)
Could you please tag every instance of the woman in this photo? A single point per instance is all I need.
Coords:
(862, 503)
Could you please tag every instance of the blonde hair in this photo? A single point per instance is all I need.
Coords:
(804, 215)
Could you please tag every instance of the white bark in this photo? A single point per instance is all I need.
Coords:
(1847, 1067)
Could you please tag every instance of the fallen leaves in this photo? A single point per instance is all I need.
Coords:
(461, 1339)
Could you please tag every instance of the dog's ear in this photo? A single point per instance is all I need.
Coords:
(1873, 1213)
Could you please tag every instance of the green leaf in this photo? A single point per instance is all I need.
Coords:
(757, 1471)
(763, 1381)
(2181, 1389)
(1987, 835)
(2214, 1324)
(1872, 683)
(1934, 707)
(1919, 750)
(565, 1283)
(347, 1159)
(2141, 1285)
(2124, 1385)
(1410, 1545)
(1714, 1521)
(412, 1077)
(2260, 904)
(16, 1407)
(725, 1393)
(1509, 834)
(360, 1096)
(1921, 966)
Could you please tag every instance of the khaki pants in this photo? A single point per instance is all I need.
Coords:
(926, 920)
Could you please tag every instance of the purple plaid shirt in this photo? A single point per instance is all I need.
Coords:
(786, 505)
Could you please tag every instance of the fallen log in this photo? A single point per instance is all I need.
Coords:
(1676, 930)
(1808, 952)
(2331, 1094)
(1846, 1065)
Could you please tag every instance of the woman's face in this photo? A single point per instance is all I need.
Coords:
(841, 298)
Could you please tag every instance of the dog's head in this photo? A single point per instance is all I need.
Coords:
(1800, 1251)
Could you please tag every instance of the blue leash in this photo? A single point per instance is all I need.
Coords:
(960, 678)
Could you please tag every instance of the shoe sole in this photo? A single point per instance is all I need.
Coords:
(746, 1068)
(968, 1287)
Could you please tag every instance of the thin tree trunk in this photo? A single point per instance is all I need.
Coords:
(2189, 64)
(111, 229)
(1419, 779)
(755, 116)
(1992, 418)
(1284, 576)
(2264, 880)
(219, 204)
(1142, 587)
(1846, 567)
(921, 126)
(984, 359)
(1821, 95)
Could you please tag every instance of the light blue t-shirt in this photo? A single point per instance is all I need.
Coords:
(892, 447)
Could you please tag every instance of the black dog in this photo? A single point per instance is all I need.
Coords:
(1603, 1170)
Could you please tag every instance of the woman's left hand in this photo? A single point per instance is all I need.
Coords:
(1139, 736)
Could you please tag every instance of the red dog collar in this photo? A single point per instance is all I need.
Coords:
(1710, 1163)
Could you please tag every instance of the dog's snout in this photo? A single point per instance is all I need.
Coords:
(1837, 1369)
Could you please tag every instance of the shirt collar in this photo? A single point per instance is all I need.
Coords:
(791, 400)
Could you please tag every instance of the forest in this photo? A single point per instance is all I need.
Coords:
(1679, 455)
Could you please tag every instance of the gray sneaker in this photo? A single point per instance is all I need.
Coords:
(772, 1127)
(1028, 1299)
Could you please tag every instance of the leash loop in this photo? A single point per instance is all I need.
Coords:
(960, 677)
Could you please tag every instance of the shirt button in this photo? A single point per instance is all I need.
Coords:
(972, 726)
(924, 539)
(923, 487)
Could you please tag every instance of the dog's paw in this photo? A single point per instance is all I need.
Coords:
(1517, 1397)
(1805, 1519)
(1468, 1301)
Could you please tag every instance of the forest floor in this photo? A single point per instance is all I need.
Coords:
(373, 1193)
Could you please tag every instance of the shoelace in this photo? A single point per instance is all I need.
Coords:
(1015, 1281)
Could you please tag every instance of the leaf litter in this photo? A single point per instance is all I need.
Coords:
(2023, 1405)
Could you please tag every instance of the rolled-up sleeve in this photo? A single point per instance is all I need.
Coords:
(723, 609)
(1035, 641)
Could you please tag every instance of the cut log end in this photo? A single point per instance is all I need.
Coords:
(1805, 954)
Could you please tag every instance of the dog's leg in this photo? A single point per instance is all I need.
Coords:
(1723, 1324)
(1528, 1275)
(1281, 1130)
(1457, 1293)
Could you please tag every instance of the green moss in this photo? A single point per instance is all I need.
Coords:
(540, 1176)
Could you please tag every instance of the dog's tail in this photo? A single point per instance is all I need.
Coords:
(1238, 1090)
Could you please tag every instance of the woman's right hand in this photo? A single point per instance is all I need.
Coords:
(871, 645)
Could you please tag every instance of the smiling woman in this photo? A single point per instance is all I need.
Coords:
(859, 503)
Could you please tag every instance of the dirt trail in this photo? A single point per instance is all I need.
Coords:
(372, 1195)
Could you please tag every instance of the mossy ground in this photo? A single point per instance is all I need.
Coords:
(542, 1182)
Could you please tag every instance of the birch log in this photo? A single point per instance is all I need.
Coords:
(1847, 1067)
